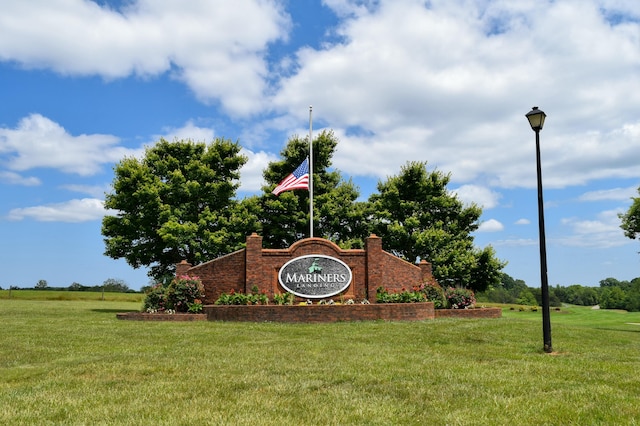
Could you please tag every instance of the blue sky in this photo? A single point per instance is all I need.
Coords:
(85, 83)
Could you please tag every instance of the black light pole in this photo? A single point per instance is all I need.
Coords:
(536, 120)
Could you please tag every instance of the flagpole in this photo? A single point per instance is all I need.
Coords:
(310, 173)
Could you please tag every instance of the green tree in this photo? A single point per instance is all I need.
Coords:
(76, 287)
(612, 282)
(42, 284)
(418, 218)
(177, 203)
(578, 295)
(613, 298)
(609, 282)
(527, 298)
(634, 295)
(114, 285)
(554, 295)
(631, 219)
(337, 215)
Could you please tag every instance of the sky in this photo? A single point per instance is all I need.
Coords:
(85, 83)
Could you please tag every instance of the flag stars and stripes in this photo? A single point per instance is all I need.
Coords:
(299, 179)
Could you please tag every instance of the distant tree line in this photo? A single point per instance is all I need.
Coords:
(611, 294)
(110, 285)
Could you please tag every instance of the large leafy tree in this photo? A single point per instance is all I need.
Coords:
(337, 215)
(631, 219)
(418, 218)
(177, 203)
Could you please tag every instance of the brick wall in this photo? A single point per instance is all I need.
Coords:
(254, 266)
(322, 313)
(221, 275)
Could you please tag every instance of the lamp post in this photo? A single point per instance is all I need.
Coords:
(536, 120)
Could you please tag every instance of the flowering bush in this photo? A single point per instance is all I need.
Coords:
(155, 299)
(183, 292)
(460, 298)
(434, 294)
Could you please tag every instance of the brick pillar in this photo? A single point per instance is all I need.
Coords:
(253, 264)
(374, 273)
(427, 272)
(182, 268)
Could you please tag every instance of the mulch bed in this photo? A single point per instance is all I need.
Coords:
(143, 316)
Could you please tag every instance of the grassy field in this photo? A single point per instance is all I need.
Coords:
(73, 362)
(70, 295)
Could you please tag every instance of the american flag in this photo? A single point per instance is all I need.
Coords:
(299, 179)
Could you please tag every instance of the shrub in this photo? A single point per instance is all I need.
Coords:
(283, 298)
(155, 299)
(233, 298)
(434, 293)
(182, 293)
(404, 296)
(256, 298)
(459, 298)
(195, 307)
(425, 292)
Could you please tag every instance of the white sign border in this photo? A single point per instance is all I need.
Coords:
(315, 296)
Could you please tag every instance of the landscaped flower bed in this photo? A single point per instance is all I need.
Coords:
(180, 301)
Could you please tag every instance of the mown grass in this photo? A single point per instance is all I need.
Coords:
(70, 295)
(73, 362)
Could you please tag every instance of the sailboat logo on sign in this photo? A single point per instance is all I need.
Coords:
(315, 268)
(315, 276)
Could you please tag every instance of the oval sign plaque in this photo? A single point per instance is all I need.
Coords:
(315, 276)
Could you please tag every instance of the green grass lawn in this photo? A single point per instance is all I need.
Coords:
(73, 362)
(70, 295)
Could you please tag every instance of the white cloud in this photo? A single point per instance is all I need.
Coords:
(188, 131)
(490, 225)
(446, 82)
(602, 232)
(82, 210)
(16, 179)
(522, 221)
(616, 194)
(516, 242)
(39, 142)
(93, 190)
(251, 172)
(482, 196)
(581, 157)
(215, 48)
(450, 82)
(346, 8)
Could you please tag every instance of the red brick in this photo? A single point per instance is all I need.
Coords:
(254, 266)
(321, 313)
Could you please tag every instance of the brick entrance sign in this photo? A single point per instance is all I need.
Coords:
(318, 269)
(255, 266)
